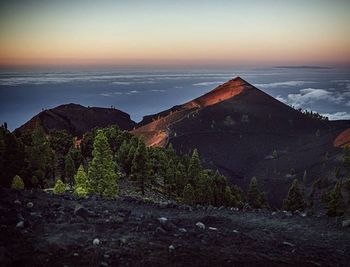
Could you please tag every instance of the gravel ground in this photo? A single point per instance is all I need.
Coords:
(41, 229)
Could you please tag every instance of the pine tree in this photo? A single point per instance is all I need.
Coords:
(334, 207)
(69, 169)
(169, 177)
(194, 168)
(230, 199)
(17, 183)
(103, 179)
(188, 195)
(180, 179)
(295, 199)
(253, 195)
(81, 187)
(40, 155)
(59, 188)
(129, 159)
(140, 166)
(122, 154)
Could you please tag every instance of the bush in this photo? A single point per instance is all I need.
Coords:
(59, 188)
(80, 191)
(17, 183)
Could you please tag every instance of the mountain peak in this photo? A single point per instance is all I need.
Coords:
(221, 93)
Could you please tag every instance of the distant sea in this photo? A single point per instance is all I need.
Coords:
(139, 92)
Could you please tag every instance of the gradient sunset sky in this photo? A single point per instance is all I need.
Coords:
(260, 32)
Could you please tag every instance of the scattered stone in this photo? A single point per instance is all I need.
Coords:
(171, 248)
(96, 242)
(288, 244)
(235, 231)
(274, 213)
(30, 205)
(213, 228)
(287, 213)
(200, 225)
(17, 202)
(162, 220)
(20, 224)
(346, 223)
(182, 230)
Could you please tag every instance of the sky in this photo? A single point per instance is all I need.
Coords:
(130, 32)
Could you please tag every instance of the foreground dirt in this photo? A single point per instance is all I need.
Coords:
(39, 229)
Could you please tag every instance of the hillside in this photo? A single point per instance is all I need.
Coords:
(77, 119)
(60, 230)
(245, 132)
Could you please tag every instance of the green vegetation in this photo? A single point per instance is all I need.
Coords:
(102, 175)
(333, 200)
(81, 187)
(295, 199)
(17, 183)
(188, 195)
(69, 168)
(256, 199)
(140, 166)
(109, 154)
(59, 188)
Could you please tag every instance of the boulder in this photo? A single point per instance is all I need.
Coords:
(200, 225)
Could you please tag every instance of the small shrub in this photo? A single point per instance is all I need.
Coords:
(80, 191)
(59, 188)
(17, 183)
(274, 154)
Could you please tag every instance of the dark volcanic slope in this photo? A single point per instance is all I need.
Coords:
(236, 127)
(131, 234)
(77, 119)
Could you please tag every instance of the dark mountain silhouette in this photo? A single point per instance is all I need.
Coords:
(77, 119)
(244, 132)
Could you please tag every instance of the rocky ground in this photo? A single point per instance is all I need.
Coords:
(41, 229)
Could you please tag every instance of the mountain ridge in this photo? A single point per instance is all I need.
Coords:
(77, 119)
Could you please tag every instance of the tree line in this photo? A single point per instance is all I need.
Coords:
(95, 164)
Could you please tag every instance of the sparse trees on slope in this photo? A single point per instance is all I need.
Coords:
(295, 199)
(102, 176)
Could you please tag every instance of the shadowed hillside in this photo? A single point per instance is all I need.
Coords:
(77, 119)
(245, 132)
